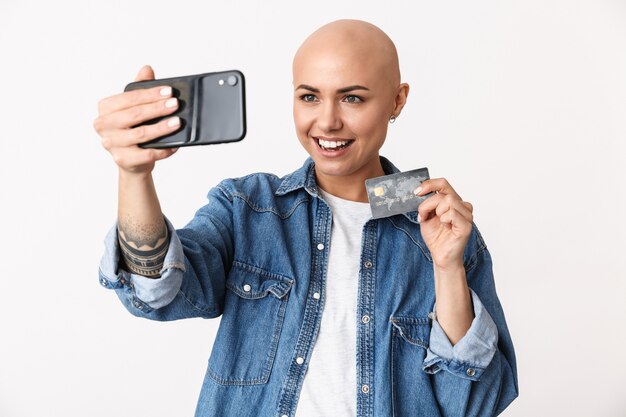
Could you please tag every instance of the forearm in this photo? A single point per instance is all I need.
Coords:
(142, 232)
(454, 303)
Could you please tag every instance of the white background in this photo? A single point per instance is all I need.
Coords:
(520, 104)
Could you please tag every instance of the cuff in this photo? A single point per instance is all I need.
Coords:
(151, 292)
(472, 354)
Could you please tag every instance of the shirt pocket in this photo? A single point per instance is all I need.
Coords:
(411, 390)
(413, 330)
(247, 339)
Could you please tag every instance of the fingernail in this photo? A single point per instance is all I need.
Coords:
(419, 218)
(174, 121)
(417, 190)
(171, 103)
(166, 91)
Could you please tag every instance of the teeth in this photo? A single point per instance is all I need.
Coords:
(331, 144)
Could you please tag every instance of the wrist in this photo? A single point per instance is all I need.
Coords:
(449, 268)
(450, 279)
(128, 175)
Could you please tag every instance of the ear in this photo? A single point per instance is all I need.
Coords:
(402, 92)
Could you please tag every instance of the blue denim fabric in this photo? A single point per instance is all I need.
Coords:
(257, 253)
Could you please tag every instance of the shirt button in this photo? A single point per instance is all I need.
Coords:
(368, 264)
(300, 361)
(122, 281)
(365, 389)
(247, 288)
(103, 282)
(316, 295)
(471, 372)
(320, 246)
(365, 319)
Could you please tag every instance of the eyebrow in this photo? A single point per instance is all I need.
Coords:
(340, 91)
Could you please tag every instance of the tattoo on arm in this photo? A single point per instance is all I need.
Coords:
(143, 247)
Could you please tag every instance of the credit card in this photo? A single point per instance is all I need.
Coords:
(393, 194)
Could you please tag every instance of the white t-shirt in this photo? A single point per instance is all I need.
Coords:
(329, 387)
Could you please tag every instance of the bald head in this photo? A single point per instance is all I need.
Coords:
(347, 89)
(363, 44)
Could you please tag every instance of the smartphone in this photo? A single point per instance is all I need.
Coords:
(211, 107)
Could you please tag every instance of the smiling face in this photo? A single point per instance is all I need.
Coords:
(346, 87)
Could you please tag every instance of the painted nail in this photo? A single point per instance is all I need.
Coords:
(417, 190)
(171, 103)
(166, 91)
(173, 122)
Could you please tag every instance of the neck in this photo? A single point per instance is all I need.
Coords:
(352, 186)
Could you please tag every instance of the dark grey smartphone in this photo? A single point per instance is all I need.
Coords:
(212, 109)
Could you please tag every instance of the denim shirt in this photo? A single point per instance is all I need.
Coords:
(257, 253)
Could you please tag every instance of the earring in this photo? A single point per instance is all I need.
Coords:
(392, 119)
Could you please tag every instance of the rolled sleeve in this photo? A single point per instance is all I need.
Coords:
(472, 354)
(141, 292)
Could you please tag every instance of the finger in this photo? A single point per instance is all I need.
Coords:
(140, 134)
(460, 210)
(453, 203)
(133, 98)
(133, 116)
(427, 208)
(438, 185)
(164, 153)
(129, 99)
(146, 73)
(440, 203)
(136, 157)
(458, 222)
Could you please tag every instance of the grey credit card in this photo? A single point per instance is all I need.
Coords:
(393, 194)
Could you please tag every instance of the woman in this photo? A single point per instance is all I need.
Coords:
(325, 311)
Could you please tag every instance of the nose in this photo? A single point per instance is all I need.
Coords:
(329, 118)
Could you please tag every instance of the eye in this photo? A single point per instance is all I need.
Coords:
(308, 98)
(352, 99)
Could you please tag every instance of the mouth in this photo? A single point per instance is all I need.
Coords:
(333, 145)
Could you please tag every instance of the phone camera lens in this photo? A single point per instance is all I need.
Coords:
(232, 80)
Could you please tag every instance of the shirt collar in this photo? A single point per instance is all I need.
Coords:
(304, 177)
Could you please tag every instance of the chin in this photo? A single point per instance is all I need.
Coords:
(333, 168)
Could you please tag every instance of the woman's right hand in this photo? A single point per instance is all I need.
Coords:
(118, 114)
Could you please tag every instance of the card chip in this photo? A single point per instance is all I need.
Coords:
(378, 191)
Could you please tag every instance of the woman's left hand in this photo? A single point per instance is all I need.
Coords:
(446, 222)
